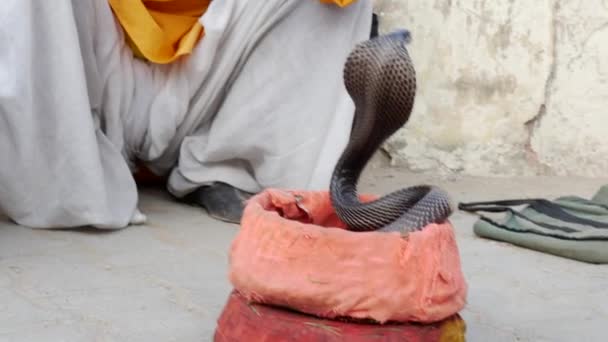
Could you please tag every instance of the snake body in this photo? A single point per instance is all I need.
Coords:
(380, 78)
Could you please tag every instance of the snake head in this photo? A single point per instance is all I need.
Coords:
(371, 64)
(402, 35)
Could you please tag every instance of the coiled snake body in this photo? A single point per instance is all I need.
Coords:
(381, 80)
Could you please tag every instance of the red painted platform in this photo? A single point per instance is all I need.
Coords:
(241, 321)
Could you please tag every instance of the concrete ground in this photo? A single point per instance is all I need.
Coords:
(166, 281)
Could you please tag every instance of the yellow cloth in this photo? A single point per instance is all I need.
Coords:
(163, 30)
(341, 3)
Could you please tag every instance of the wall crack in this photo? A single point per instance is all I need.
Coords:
(533, 123)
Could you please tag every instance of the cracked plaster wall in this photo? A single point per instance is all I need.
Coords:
(514, 87)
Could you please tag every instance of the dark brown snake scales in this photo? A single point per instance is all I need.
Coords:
(379, 76)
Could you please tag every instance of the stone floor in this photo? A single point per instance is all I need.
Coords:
(166, 281)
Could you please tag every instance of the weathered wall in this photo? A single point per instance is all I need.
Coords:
(510, 87)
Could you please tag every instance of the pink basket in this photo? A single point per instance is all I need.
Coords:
(293, 251)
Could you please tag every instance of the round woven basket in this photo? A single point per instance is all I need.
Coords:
(293, 251)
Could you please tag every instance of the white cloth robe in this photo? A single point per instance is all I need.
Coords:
(259, 103)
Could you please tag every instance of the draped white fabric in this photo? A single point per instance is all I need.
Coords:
(260, 103)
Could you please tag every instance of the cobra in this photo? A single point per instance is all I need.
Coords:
(380, 78)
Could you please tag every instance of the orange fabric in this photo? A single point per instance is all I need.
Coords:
(163, 30)
(292, 251)
(341, 3)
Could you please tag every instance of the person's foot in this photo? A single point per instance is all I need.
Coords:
(222, 201)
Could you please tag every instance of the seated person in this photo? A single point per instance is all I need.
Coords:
(222, 98)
